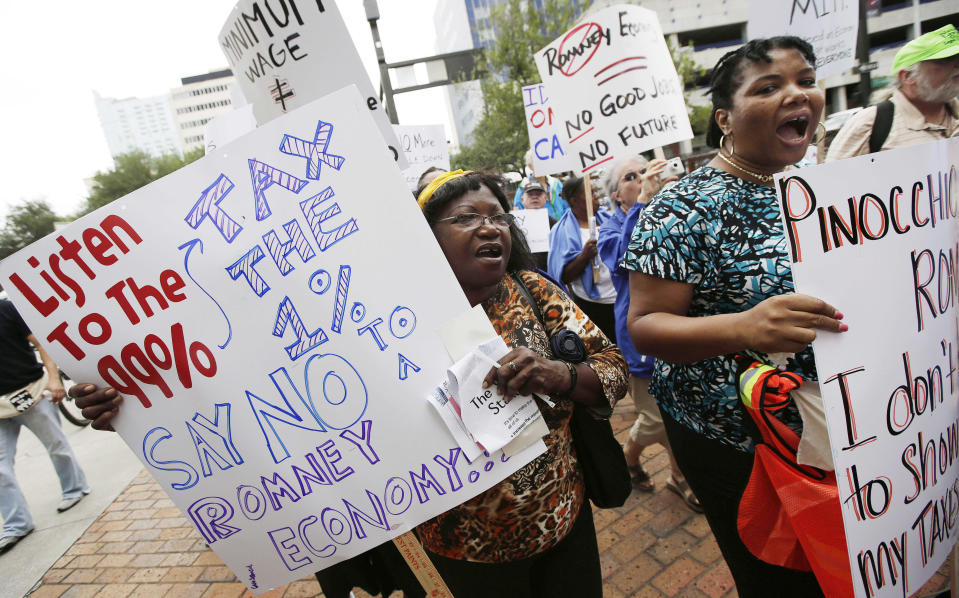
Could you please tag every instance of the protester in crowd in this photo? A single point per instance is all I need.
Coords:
(534, 198)
(532, 534)
(711, 278)
(428, 175)
(631, 182)
(923, 106)
(573, 257)
(555, 203)
(25, 384)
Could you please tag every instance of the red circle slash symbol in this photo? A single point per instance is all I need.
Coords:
(578, 47)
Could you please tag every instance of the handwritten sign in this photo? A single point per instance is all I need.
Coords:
(423, 146)
(878, 238)
(535, 227)
(270, 314)
(831, 26)
(614, 87)
(285, 56)
(549, 155)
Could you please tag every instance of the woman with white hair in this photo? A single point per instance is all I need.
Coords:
(631, 182)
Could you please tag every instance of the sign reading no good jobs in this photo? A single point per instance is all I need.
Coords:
(269, 312)
(877, 237)
(288, 53)
(613, 86)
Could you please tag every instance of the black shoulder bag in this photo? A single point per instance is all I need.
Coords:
(605, 473)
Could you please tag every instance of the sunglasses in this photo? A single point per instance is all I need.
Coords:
(633, 175)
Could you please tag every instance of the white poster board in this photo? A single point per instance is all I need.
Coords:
(877, 237)
(549, 155)
(270, 314)
(831, 28)
(535, 225)
(613, 87)
(423, 146)
(228, 126)
(286, 55)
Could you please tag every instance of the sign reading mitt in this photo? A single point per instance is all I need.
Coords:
(877, 237)
(613, 86)
(269, 313)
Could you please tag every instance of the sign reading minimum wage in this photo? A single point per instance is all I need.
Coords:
(613, 86)
(287, 54)
(270, 313)
(877, 237)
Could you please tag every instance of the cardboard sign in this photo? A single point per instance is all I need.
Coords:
(613, 86)
(423, 146)
(831, 28)
(549, 155)
(877, 237)
(270, 313)
(288, 54)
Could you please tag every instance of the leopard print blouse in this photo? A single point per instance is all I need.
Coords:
(534, 508)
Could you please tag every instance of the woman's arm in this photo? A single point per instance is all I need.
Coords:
(574, 267)
(54, 384)
(658, 324)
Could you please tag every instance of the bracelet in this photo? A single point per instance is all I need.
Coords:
(573, 379)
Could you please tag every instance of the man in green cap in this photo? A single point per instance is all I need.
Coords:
(923, 106)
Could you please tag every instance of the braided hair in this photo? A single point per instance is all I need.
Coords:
(726, 76)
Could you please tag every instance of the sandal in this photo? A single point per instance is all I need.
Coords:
(641, 479)
(682, 489)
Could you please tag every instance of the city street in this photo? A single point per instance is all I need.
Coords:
(109, 466)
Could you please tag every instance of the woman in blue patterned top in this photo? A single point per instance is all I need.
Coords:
(711, 278)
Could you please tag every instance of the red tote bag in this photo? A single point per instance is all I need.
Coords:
(789, 514)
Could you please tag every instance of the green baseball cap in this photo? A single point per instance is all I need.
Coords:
(941, 43)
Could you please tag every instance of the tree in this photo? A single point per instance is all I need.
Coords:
(130, 172)
(500, 139)
(27, 222)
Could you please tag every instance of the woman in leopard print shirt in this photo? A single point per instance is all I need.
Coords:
(532, 534)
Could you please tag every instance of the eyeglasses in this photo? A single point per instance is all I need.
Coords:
(632, 175)
(470, 220)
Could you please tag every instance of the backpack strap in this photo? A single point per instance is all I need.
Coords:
(881, 126)
(524, 291)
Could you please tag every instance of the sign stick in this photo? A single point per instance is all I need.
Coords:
(421, 566)
(588, 184)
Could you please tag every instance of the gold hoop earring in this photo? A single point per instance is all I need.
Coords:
(820, 132)
(722, 144)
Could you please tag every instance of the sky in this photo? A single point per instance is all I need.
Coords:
(58, 52)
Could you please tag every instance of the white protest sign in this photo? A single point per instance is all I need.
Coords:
(423, 146)
(877, 237)
(549, 155)
(831, 28)
(613, 87)
(270, 313)
(535, 226)
(285, 55)
(228, 126)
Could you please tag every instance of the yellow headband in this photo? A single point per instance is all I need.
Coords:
(438, 182)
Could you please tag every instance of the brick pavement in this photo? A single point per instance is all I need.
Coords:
(141, 546)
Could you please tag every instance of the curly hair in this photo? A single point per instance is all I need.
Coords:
(726, 76)
(520, 257)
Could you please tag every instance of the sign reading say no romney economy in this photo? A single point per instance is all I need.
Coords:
(287, 54)
(613, 86)
(877, 237)
(270, 313)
